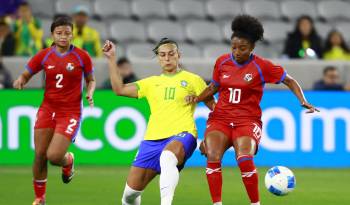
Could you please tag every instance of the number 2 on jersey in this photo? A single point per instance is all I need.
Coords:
(235, 95)
(59, 78)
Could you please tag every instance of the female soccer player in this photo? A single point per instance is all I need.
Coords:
(171, 133)
(59, 115)
(239, 77)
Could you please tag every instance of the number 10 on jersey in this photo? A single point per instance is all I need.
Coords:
(235, 95)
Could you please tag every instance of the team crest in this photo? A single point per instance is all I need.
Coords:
(248, 77)
(184, 83)
(70, 66)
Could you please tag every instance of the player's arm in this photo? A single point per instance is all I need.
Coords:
(91, 85)
(207, 94)
(129, 90)
(294, 86)
(23, 79)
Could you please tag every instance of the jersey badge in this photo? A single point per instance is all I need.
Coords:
(184, 83)
(70, 66)
(248, 77)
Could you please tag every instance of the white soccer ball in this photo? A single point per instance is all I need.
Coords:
(280, 180)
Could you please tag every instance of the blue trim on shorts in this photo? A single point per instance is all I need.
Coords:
(150, 151)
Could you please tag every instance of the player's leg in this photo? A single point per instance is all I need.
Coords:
(178, 149)
(57, 155)
(137, 181)
(217, 141)
(245, 142)
(42, 138)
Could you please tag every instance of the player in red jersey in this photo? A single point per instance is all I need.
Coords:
(239, 77)
(59, 115)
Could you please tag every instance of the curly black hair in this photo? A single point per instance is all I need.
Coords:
(249, 27)
(162, 42)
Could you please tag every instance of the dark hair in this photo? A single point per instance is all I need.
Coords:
(248, 27)
(328, 69)
(122, 60)
(63, 20)
(24, 3)
(328, 44)
(3, 23)
(162, 42)
(305, 17)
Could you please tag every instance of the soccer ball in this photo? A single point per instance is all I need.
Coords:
(280, 180)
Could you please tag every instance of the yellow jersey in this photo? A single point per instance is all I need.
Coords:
(170, 114)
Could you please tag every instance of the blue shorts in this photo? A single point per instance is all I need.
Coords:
(150, 151)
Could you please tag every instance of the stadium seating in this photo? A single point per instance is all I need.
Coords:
(107, 9)
(223, 9)
(198, 31)
(67, 7)
(181, 9)
(149, 9)
(190, 51)
(160, 29)
(333, 10)
(344, 28)
(140, 50)
(215, 50)
(293, 9)
(43, 8)
(127, 30)
(262, 9)
(276, 32)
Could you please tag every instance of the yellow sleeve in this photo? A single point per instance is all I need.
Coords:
(199, 85)
(97, 44)
(143, 87)
(36, 32)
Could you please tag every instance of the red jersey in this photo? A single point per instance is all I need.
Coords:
(63, 76)
(240, 87)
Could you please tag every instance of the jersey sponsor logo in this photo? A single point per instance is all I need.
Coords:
(50, 67)
(248, 77)
(70, 66)
(184, 83)
(225, 76)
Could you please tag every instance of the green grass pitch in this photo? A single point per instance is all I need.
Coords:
(104, 186)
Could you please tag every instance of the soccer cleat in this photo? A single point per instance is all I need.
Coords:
(68, 171)
(39, 201)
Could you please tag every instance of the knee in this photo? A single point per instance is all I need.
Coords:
(245, 150)
(214, 155)
(40, 155)
(168, 158)
(54, 158)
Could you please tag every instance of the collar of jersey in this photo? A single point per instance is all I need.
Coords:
(171, 75)
(71, 47)
(243, 64)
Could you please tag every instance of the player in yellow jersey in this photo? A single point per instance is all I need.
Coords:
(171, 135)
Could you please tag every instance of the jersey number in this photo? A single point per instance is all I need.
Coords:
(235, 95)
(72, 123)
(59, 78)
(169, 94)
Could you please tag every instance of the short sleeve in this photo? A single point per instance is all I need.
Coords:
(216, 74)
(35, 65)
(142, 87)
(199, 85)
(273, 73)
(87, 64)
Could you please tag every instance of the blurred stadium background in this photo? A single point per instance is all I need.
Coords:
(316, 147)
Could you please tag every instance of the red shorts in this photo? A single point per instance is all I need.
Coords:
(63, 122)
(233, 131)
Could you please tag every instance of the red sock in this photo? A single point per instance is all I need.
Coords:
(214, 178)
(39, 188)
(249, 176)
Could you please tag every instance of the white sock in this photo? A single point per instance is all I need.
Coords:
(218, 203)
(131, 196)
(169, 177)
(257, 203)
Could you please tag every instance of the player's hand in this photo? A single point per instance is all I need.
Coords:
(19, 83)
(311, 108)
(203, 149)
(90, 99)
(109, 49)
(191, 99)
